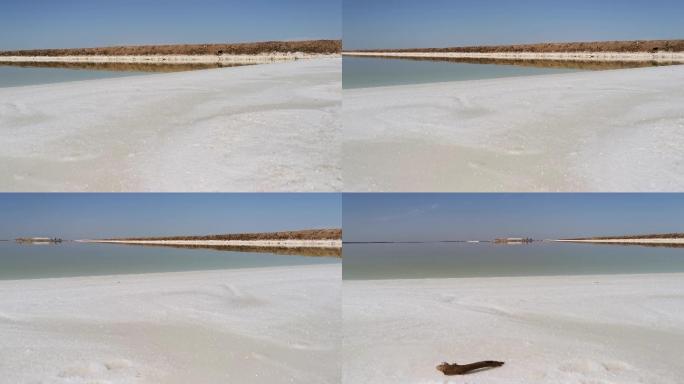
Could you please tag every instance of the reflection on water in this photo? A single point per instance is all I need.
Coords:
(363, 72)
(297, 251)
(520, 243)
(126, 67)
(445, 260)
(538, 63)
(648, 245)
(81, 259)
(23, 74)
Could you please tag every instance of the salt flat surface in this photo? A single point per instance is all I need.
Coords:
(621, 329)
(271, 127)
(265, 325)
(618, 130)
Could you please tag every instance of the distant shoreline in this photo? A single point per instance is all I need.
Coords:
(663, 238)
(241, 53)
(171, 59)
(558, 56)
(632, 50)
(310, 238)
(649, 46)
(626, 241)
(240, 243)
(257, 48)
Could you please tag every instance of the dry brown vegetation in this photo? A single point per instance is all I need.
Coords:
(308, 234)
(464, 369)
(631, 237)
(307, 46)
(596, 46)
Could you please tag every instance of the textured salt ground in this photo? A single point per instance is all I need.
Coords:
(264, 325)
(620, 329)
(619, 130)
(271, 127)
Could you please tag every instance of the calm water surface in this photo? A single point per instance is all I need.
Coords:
(17, 75)
(363, 72)
(11, 76)
(77, 259)
(444, 260)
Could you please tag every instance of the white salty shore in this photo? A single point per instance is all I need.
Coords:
(620, 329)
(618, 130)
(261, 325)
(238, 243)
(581, 56)
(169, 59)
(272, 127)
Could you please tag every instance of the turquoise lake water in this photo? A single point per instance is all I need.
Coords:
(445, 260)
(11, 76)
(47, 73)
(78, 259)
(364, 72)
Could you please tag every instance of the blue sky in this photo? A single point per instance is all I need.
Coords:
(442, 23)
(28, 24)
(429, 217)
(77, 216)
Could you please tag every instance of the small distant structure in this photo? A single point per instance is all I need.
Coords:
(38, 240)
(513, 240)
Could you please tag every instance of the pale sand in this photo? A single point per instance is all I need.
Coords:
(272, 127)
(619, 130)
(265, 325)
(575, 56)
(238, 243)
(621, 329)
(169, 59)
(629, 241)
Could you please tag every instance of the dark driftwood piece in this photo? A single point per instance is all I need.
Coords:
(455, 369)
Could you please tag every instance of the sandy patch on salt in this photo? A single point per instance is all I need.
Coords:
(566, 329)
